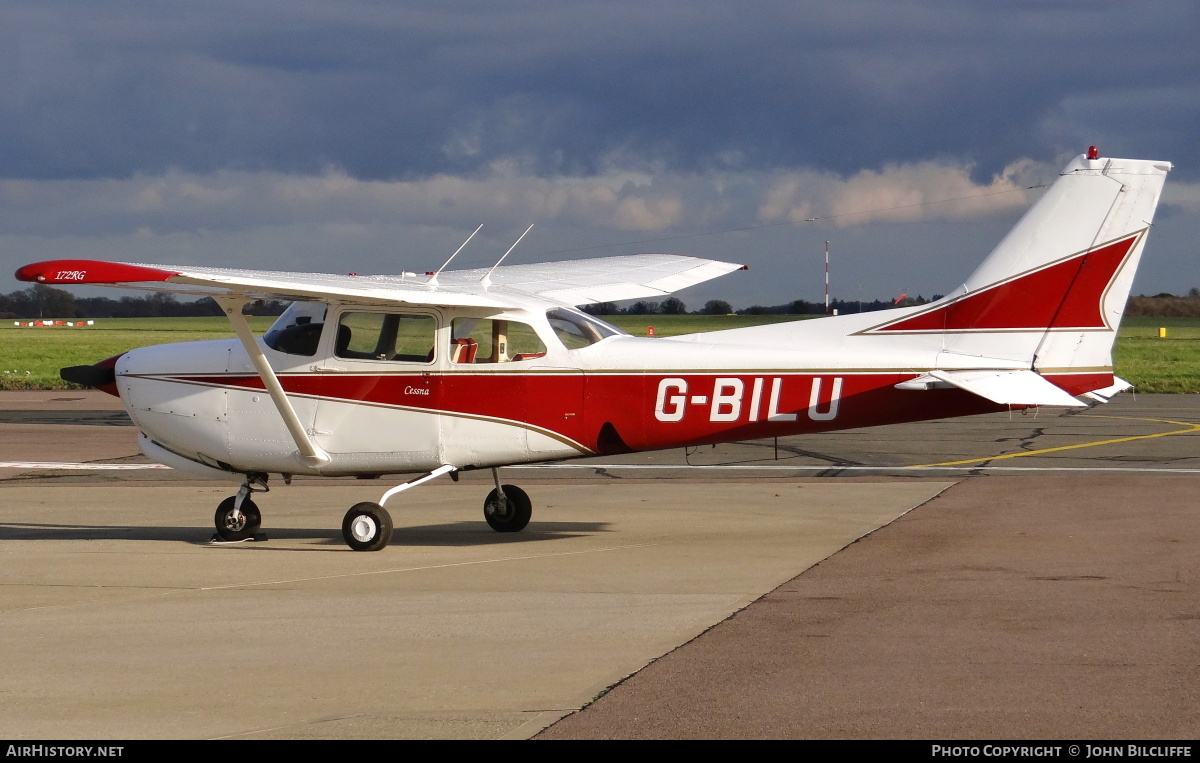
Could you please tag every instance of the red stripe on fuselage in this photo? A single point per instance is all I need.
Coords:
(643, 411)
(1067, 294)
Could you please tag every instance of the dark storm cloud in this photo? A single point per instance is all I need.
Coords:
(406, 90)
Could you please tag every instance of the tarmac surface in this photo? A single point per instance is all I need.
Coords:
(997, 577)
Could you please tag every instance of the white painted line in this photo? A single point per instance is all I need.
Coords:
(668, 467)
(828, 467)
(75, 467)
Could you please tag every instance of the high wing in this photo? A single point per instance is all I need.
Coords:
(603, 279)
(572, 282)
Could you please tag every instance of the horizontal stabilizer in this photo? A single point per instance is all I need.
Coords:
(1022, 387)
(1108, 393)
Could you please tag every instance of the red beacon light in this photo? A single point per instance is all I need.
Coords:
(1093, 152)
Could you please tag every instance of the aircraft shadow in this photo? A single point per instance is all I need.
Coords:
(473, 533)
(45, 531)
(477, 533)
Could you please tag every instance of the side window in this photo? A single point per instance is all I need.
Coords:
(575, 329)
(483, 340)
(298, 330)
(386, 336)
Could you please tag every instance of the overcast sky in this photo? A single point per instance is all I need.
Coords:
(373, 137)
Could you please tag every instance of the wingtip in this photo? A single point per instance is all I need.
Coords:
(89, 271)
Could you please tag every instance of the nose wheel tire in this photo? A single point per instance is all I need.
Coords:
(244, 526)
(367, 527)
(513, 515)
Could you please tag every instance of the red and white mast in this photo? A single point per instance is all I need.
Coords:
(827, 278)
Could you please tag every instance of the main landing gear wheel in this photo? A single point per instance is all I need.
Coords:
(241, 527)
(367, 527)
(510, 515)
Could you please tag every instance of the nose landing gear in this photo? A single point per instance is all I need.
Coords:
(234, 525)
(238, 517)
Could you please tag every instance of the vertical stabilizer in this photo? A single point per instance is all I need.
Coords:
(1051, 294)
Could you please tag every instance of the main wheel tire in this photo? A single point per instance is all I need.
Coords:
(513, 516)
(240, 528)
(367, 527)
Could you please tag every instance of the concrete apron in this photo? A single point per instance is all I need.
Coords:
(119, 621)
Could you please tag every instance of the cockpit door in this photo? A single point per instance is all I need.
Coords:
(503, 395)
(378, 394)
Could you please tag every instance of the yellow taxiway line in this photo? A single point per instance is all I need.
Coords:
(1188, 428)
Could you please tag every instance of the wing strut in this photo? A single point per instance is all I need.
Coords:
(310, 454)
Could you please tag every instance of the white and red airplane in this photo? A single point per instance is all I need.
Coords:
(457, 370)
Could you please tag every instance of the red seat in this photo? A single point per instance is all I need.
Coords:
(463, 350)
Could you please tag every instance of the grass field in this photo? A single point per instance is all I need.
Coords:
(30, 357)
(1159, 365)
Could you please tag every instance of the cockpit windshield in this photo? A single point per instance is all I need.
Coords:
(298, 330)
(576, 329)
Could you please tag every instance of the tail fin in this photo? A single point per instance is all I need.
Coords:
(1052, 293)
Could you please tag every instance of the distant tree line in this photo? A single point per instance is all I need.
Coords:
(1166, 305)
(675, 306)
(41, 301)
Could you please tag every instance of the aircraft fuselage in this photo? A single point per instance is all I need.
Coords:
(202, 401)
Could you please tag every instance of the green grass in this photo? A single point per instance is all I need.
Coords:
(30, 357)
(1159, 365)
(674, 325)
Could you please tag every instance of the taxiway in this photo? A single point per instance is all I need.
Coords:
(1013, 576)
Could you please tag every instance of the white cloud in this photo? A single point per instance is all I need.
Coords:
(617, 200)
(178, 201)
(636, 213)
(331, 222)
(1186, 195)
(897, 193)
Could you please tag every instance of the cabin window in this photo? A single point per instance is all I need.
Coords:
(385, 336)
(483, 340)
(575, 329)
(298, 330)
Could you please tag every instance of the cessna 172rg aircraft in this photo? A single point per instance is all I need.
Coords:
(478, 369)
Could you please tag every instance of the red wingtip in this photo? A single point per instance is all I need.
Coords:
(89, 271)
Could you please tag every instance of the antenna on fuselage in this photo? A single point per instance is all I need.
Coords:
(487, 277)
(433, 276)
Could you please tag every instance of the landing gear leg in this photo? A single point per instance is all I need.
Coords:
(238, 517)
(507, 509)
(368, 526)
